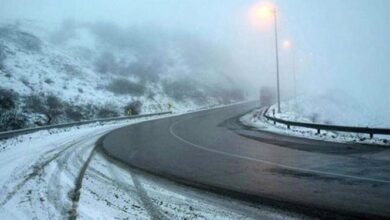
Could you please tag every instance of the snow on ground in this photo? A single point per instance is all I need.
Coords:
(59, 174)
(336, 108)
(328, 109)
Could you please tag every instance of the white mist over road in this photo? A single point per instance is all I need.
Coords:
(338, 45)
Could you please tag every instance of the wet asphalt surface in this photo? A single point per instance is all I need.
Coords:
(212, 150)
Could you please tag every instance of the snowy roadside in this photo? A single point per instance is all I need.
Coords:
(36, 170)
(257, 120)
(59, 174)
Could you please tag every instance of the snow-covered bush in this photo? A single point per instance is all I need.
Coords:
(146, 72)
(29, 42)
(105, 63)
(182, 90)
(50, 106)
(34, 103)
(125, 87)
(74, 113)
(107, 111)
(8, 99)
(70, 69)
(3, 56)
(54, 108)
(10, 118)
(314, 117)
(49, 81)
(226, 95)
(25, 40)
(133, 107)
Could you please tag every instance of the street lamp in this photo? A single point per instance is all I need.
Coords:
(261, 15)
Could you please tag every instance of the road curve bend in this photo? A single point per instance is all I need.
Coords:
(211, 149)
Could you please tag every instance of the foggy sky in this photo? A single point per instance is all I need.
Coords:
(339, 45)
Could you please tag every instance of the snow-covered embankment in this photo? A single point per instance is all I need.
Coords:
(330, 110)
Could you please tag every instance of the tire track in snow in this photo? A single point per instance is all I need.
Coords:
(72, 165)
(148, 203)
(57, 189)
(50, 173)
(153, 211)
(37, 169)
(74, 195)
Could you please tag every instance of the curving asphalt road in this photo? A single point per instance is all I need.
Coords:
(211, 149)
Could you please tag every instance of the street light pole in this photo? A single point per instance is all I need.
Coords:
(277, 58)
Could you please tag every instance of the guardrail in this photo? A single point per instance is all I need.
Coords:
(8, 134)
(319, 127)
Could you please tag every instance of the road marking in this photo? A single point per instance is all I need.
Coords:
(268, 162)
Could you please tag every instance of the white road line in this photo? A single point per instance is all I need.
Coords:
(268, 162)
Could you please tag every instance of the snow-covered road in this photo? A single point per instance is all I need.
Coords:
(61, 174)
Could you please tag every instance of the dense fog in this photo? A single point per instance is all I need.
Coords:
(338, 48)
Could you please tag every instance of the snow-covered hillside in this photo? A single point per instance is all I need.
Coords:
(336, 108)
(100, 70)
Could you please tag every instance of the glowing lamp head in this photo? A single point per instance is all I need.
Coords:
(286, 44)
(261, 15)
